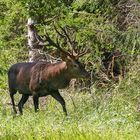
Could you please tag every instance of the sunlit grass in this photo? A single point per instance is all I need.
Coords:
(109, 114)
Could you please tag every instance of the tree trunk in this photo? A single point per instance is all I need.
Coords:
(35, 42)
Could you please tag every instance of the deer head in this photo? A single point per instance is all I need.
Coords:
(75, 68)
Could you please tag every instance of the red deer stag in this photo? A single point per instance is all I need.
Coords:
(43, 78)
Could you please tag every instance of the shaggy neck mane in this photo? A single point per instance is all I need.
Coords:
(51, 70)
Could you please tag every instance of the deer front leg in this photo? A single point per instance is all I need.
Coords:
(56, 95)
(23, 100)
(36, 101)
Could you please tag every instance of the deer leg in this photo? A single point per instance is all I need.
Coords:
(23, 100)
(56, 95)
(13, 102)
(36, 102)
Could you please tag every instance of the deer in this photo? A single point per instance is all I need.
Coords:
(42, 78)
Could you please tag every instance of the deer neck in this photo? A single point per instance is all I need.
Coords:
(67, 72)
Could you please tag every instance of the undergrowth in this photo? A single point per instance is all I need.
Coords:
(104, 114)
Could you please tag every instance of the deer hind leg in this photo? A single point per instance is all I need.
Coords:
(13, 103)
(56, 95)
(23, 100)
(12, 100)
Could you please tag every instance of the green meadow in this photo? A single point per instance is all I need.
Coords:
(104, 114)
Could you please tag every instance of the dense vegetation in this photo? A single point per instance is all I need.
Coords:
(111, 110)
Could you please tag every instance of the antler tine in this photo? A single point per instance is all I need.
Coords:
(61, 35)
(57, 45)
(86, 50)
(74, 38)
(71, 43)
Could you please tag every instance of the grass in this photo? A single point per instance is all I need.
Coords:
(105, 114)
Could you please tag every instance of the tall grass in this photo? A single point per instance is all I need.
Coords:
(105, 114)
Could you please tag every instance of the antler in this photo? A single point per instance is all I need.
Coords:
(71, 42)
(86, 50)
(52, 43)
(73, 54)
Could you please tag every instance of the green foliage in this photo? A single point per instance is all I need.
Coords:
(95, 23)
